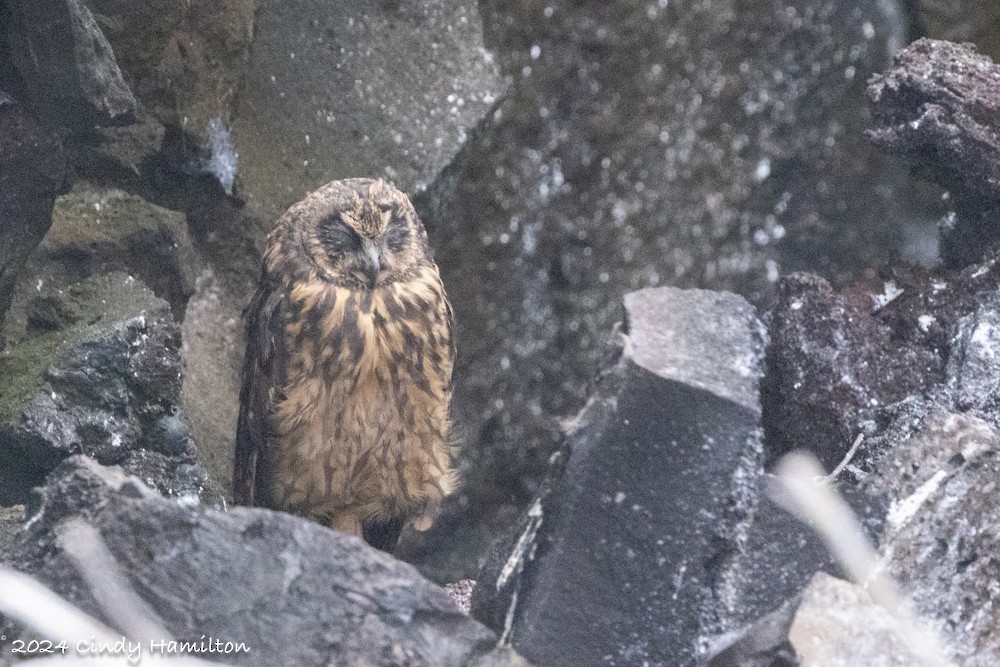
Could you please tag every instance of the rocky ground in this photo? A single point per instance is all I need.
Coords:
(581, 168)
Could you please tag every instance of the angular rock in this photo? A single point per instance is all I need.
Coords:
(939, 107)
(186, 61)
(833, 361)
(124, 156)
(764, 644)
(838, 624)
(106, 381)
(859, 361)
(624, 560)
(293, 591)
(97, 230)
(710, 144)
(32, 173)
(67, 65)
(339, 89)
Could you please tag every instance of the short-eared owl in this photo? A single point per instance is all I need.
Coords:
(344, 412)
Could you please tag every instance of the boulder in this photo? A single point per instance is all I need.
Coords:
(102, 229)
(876, 355)
(289, 590)
(98, 373)
(32, 173)
(624, 559)
(186, 61)
(939, 108)
(346, 89)
(691, 144)
(66, 64)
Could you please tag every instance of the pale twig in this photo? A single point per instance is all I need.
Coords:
(818, 504)
(847, 459)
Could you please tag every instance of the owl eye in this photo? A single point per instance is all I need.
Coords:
(337, 238)
(397, 236)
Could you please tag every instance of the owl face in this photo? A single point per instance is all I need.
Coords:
(371, 239)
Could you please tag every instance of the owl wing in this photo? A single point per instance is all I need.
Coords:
(263, 382)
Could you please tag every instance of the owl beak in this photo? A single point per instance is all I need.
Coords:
(373, 265)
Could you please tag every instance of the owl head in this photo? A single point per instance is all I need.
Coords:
(359, 232)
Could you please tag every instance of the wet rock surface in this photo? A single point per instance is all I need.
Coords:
(66, 64)
(374, 89)
(938, 107)
(100, 230)
(692, 144)
(291, 590)
(626, 554)
(99, 373)
(32, 173)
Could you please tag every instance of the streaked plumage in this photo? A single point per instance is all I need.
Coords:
(344, 411)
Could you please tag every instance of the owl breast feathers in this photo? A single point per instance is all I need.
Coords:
(344, 410)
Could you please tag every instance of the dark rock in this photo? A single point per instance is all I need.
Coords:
(939, 107)
(119, 156)
(101, 385)
(711, 144)
(763, 644)
(855, 362)
(67, 65)
(32, 172)
(293, 591)
(624, 560)
(976, 21)
(98, 230)
(344, 89)
(186, 61)
(832, 362)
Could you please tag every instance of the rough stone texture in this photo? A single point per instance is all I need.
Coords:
(643, 143)
(939, 107)
(461, 593)
(623, 560)
(97, 230)
(32, 172)
(66, 64)
(940, 537)
(11, 519)
(213, 362)
(834, 360)
(124, 157)
(346, 89)
(853, 362)
(101, 376)
(186, 61)
(976, 21)
(839, 625)
(294, 591)
(763, 644)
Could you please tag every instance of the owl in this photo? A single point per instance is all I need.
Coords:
(344, 410)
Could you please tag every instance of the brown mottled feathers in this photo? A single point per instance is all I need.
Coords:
(344, 410)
